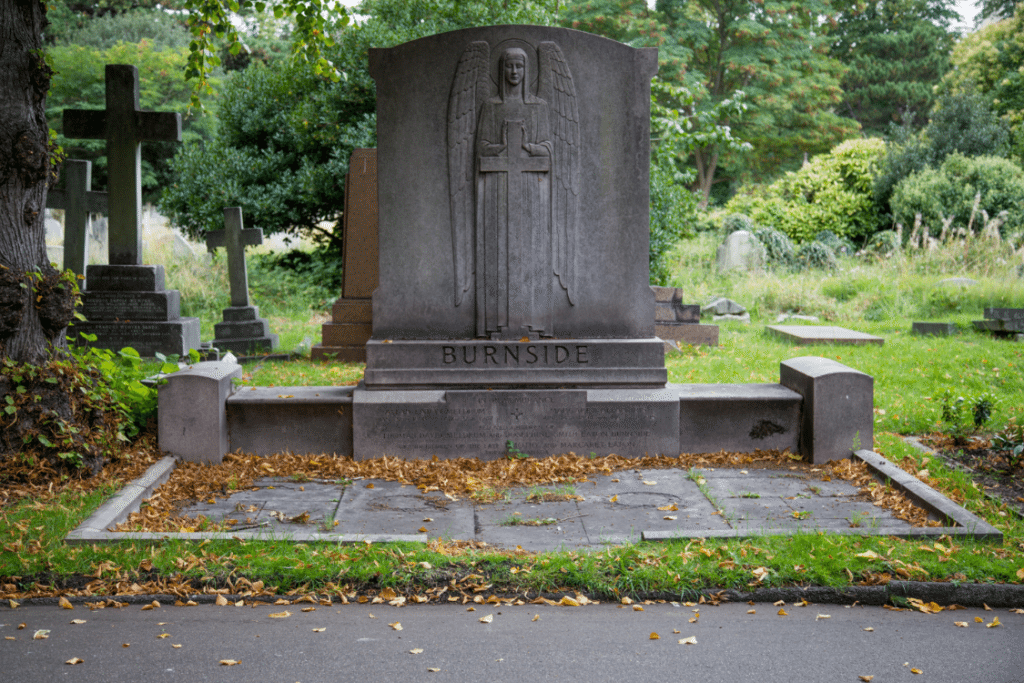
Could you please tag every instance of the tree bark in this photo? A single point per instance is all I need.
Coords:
(33, 300)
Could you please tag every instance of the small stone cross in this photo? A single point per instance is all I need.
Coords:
(77, 201)
(235, 238)
(123, 125)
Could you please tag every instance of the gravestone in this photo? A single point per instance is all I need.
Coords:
(740, 251)
(125, 303)
(677, 323)
(823, 334)
(243, 330)
(1002, 322)
(934, 329)
(513, 301)
(345, 337)
(79, 202)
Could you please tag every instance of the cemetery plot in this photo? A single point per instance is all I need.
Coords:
(823, 334)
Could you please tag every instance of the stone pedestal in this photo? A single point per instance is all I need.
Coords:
(345, 337)
(128, 306)
(244, 332)
(677, 323)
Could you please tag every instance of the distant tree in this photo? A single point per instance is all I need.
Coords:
(896, 51)
(995, 9)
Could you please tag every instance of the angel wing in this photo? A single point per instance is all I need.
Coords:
(557, 88)
(469, 89)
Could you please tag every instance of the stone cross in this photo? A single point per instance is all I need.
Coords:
(77, 201)
(124, 126)
(235, 238)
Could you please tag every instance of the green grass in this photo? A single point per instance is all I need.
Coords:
(910, 374)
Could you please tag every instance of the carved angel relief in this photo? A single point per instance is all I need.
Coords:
(513, 173)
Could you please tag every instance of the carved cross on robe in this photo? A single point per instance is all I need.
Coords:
(235, 238)
(123, 125)
(77, 201)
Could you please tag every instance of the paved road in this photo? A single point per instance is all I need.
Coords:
(596, 643)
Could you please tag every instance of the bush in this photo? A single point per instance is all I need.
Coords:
(951, 189)
(778, 248)
(816, 255)
(737, 221)
(884, 243)
(673, 213)
(833, 192)
(838, 245)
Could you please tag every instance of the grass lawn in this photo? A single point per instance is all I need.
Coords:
(911, 376)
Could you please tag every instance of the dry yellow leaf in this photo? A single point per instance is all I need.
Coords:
(692, 640)
(230, 662)
(221, 601)
(869, 554)
(370, 485)
(978, 620)
(41, 634)
(1020, 575)
(626, 601)
(320, 630)
(751, 611)
(164, 635)
(566, 601)
(961, 624)
(280, 615)
(823, 616)
(488, 619)
(152, 605)
(423, 529)
(649, 483)
(672, 507)
(675, 630)
(433, 671)
(14, 605)
(779, 603)
(916, 671)
(783, 613)
(282, 601)
(396, 625)
(126, 644)
(416, 651)
(78, 621)
(535, 617)
(613, 498)
(638, 608)
(65, 603)
(866, 679)
(670, 518)
(987, 608)
(995, 622)
(74, 660)
(655, 636)
(1017, 611)
(309, 609)
(9, 638)
(176, 646)
(868, 628)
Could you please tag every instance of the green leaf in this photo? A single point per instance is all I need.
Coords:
(278, 11)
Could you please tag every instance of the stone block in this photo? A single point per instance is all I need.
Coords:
(339, 354)
(131, 305)
(237, 314)
(249, 346)
(738, 417)
(147, 337)
(1004, 313)
(269, 420)
(935, 329)
(837, 407)
(723, 306)
(479, 423)
(593, 363)
(244, 329)
(823, 334)
(687, 334)
(666, 294)
(352, 311)
(360, 226)
(740, 251)
(346, 334)
(122, 278)
(192, 420)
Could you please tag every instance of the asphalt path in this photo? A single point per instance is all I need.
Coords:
(595, 643)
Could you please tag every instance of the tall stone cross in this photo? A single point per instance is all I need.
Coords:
(124, 126)
(235, 238)
(77, 201)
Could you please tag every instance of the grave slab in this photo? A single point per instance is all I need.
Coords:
(935, 329)
(823, 334)
(496, 525)
(391, 508)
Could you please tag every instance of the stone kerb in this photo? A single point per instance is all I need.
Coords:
(837, 417)
(192, 416)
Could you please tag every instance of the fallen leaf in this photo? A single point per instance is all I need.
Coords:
(9, 638)
(396, 626)
(21, 626)
(14, 605)
(416, 651)
(320, 630)
(280, 615)
(1020, 575)
(41, 634)
(866, 679)
(670, 517)
(613, 498)
(164, 635)
(626, 601)
(649, 483)
(126, 644)
(423, 530)
(779, 603)
(987, 608)
(78, 621)
(995, 622)
(751, 611)
(692, 640)
(65, 603)
(916, 671)
(978, 620)
(75, 660)
(433, 671)
(152, 605)
(1017, 611)
(229, 662)
(672, 507)
(281, 601)
(566, 601)
(868, 628)
(370, 485)
(638, 608)
(869, 554)
(221, 600)
(783, 613)
(176, 646)
(535, 617)
(961, 624)
(823, 616)
(309, 609)
(426, 565)
(488, 619)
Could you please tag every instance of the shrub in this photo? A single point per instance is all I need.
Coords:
(816, 255)
(737, 221)
(951, 189)
(673, 211)
(838, 245)
(833, 192)
(884, 244)
(778, 248)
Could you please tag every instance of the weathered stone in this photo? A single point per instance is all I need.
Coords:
(125, 278)
(729, 317)
(191, 416)
(837, 417)
(267, 420)
(148, 338)
(740, 251)
(738, 417)
(823, 334)
(935, 329)
(723, 306)
(132, 305)
(1007, 314)
(449, 424)
(676, 335)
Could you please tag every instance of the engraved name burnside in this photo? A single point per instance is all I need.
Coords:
(518, 355)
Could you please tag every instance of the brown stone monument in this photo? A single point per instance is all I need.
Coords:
(345, 337)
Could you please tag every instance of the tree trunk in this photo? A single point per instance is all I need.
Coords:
(35, 304)
(707, 163)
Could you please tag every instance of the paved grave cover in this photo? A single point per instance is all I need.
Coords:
(823, 334)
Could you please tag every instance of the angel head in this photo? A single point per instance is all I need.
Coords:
(513, 67)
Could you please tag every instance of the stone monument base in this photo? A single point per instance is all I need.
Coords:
(345, 337)
(244, 331)
(546, 363)
(489, 424)
(127, 305)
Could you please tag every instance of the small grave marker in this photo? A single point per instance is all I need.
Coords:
(823, 334)
(77, 201)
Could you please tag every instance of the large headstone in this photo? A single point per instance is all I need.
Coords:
(243, 330)
(345, 337)
(79, 202)
(513, 302)
(126, 303)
